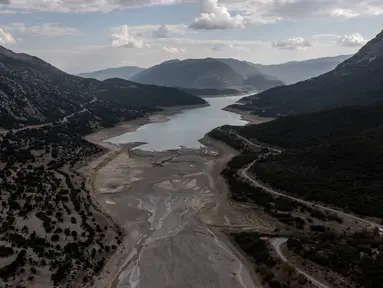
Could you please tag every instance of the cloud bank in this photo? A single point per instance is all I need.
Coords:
(45, 29)
(121, 38)
(216, 16)
(353, 40)
(292, 44)
(6, 38)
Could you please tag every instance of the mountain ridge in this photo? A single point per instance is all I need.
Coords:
(208, 73)
(126, 72)
(295, 71)
(287, 73)
(33, 92)
(356, 81)
(191, 73)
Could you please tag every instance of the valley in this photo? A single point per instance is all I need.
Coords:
(170, 205)
(192, 173)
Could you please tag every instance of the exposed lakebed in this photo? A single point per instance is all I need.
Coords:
(183, 129)
(171, 203)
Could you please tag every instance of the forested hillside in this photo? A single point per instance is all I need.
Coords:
(333, 156)
(34, 92)
(357, 81)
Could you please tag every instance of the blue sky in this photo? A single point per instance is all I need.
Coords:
(85, 35)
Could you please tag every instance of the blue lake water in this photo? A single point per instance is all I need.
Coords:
(183, 129)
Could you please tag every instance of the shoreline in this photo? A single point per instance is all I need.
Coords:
(111, 270)
(212, 159)
(98, 138)
(247, 116)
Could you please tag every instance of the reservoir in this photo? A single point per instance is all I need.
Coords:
(185, 128)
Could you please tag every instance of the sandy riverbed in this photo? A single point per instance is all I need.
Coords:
(172, 206)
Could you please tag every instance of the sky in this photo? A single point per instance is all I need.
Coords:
(86, 35)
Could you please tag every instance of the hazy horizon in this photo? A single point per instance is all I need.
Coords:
(78, 37)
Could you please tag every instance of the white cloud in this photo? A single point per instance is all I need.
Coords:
(271, 11)
(150, 31)
(292, 44)
(216, 16)
(8, 12)
(161, 32)
(353, 40)
(121, 37)
(259, 11)
(344, 13)
(5, 2)
(94, 57)
(45, 29)
(6, 38)
(173, 49)
(222, 47)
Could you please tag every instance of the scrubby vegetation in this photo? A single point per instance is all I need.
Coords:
(345, 173)
(308, 130)
(273, 272)
(333, 157)
(358, 257)
(49, 224)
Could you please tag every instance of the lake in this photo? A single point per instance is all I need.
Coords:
(185, 128)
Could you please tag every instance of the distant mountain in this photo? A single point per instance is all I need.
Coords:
(34, 92)
(204, 74)
(191, 73)
(261, 83)
(126, 73)
(245, 68)
(295, 71)
(357, 81)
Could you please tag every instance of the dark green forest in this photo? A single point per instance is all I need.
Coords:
(332, 156)
(357, 257)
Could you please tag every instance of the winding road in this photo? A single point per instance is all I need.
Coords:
(277, 243)
(244, 173)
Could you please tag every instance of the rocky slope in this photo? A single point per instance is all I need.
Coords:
(34, 92)
(357, 81)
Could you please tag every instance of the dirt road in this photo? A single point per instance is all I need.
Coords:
(245, 174)
(277, 243)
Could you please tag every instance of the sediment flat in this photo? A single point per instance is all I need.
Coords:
(169, 205)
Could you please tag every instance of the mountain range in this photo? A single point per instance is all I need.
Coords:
(126, 73)
(210, 73)
(34, 92)
(206, 73)
(296, 71)
(356, 81)
(191, 73)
